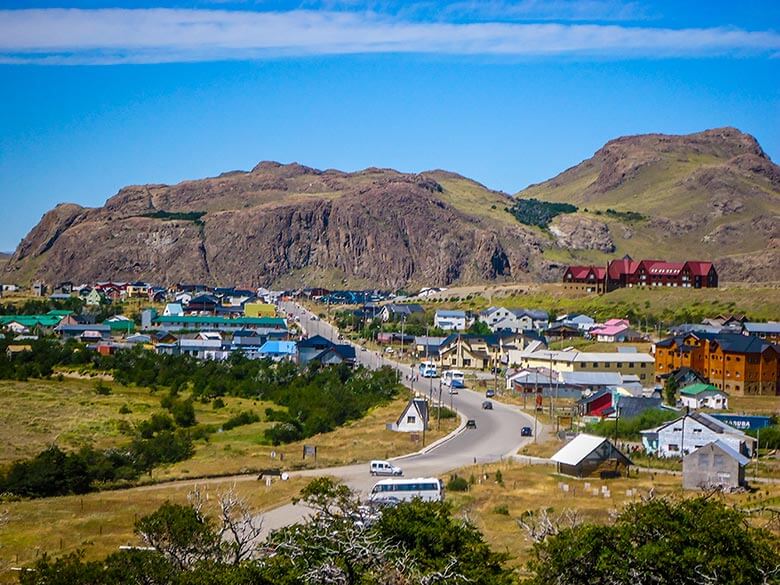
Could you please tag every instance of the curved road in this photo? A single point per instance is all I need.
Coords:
(497, 434)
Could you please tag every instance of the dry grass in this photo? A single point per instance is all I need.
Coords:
(99, 523)
(535, 487)
(241, 450)
(767, 405)
(38, 413)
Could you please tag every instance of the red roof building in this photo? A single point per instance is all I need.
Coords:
(626, 273)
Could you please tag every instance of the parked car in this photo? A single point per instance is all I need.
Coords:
(380, 467)
(389, 350)
(471, 424)
(490, 394)
(487, 405)
(526, 432)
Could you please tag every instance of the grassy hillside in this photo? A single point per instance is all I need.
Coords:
(667, 306)
(707, 195)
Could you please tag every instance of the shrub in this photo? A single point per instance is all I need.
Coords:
(102, 389)
(218, 403)
(501, 509)
(124, 409)
(539, 213)
(457, 484)
(246, 417)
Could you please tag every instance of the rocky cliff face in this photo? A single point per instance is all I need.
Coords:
(710, 195)
(377, 226)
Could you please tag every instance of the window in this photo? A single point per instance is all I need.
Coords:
(644, 365)
(696, 430)
(704, 458)
(673, 447)
(718, 460)
(411, 420)
(631, 364)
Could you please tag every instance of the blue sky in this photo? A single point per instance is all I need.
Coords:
(97, 95)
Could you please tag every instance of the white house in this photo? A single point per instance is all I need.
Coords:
(450, 320)
(689, 432)
(698, 396)
(173, 310)
(414, 418)
(514, 320)
(581, 322)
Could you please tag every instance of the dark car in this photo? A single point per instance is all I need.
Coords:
(490, 393)
(487, 405)
(526, 432)
(471, 424)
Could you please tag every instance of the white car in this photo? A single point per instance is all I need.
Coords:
(380, 467)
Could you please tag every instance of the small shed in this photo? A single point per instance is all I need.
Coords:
(704, 396)
(414, 417)
(715, 465)
(587, 455)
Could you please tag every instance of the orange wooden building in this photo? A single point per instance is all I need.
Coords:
(737, 364)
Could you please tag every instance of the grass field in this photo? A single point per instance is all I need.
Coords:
(99, 523)
(667, 306)
(494, 508)
(69, 413)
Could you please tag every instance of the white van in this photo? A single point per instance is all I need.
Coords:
(384, 468)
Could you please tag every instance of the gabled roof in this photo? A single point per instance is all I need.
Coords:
(706, 420)
(762, 327)
(279, 347)
(318, 341)
(723, 446)
(696, 389)
(450, 314)
(583, 272)
(576, 450)
(420, 405)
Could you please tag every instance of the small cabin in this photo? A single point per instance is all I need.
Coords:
(588, 455)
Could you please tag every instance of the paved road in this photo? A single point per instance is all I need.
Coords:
(497, 434)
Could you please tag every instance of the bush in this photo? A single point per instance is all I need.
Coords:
(102, 389)
(501, 509)
(246, 417)
(539, 213)
(218, 403)
(124, 409)
(457, 484)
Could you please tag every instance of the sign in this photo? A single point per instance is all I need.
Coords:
(744, 422)
(310, 450)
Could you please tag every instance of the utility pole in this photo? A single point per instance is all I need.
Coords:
(438, 411)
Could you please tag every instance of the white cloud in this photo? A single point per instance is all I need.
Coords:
(110, 36)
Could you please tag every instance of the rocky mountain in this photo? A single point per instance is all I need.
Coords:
(288, 224)
(714, 194)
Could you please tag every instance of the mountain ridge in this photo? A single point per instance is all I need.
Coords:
(713, 194)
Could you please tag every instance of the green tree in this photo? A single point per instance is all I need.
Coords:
(687, 542)
(670, 391)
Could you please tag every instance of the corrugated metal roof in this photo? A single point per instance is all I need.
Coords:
(577, 449)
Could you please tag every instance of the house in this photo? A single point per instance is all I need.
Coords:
(514, 320)
(693, 430)
(86, 333)
(714, 465)
(39, 289)
(465, 350)
(173, 310)
(615, 401)
(94, 298)
(767, 331)
(414, 418)
(562, 331)
(578, 320)
(450, 320)
(15, 349)
(586, 455)
(614, 331)
(626, 273)
(27, 323)
(739, 365)
(589, 279)
(427, 347)
(325, 351)
(698, 396)
(137, 290)
(268, 325)
(278, 350)
(638, 364)
(684, 377)
(204, 303)
(398, 312)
